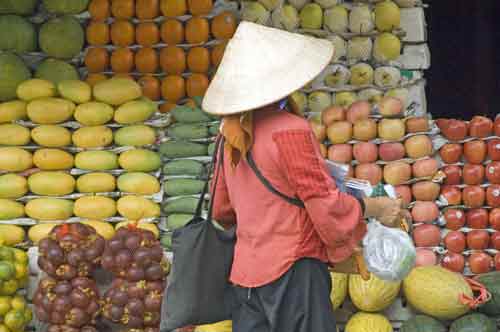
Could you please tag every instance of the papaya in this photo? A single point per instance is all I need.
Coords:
(51, 136)
(14, 110)
(12, 234)
(94, 207)
(13, 186)
(10, 209)
(36, 88)
(137, 207)
(96, 183)
(40, 231)
(50, 110)
(53, 159)
(14, 134)
(51, 183)
(93, 137)
(77, 91)
(135, 135)
(96, 160)
(15, 159)
(104, 229)
(139, 160)
(135, 111)
(93, 113)
(138, 183)
(49, 209)
(181, 149)
(148, 226)
(117, 91)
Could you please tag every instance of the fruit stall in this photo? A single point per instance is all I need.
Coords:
(104, 151)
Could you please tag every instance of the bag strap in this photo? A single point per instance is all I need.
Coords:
(206, 186)
(269, 186)
(220, 151)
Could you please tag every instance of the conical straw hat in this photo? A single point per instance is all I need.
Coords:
(262, 65)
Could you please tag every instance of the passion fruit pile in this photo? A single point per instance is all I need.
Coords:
(135, 257)
(67, 305)
(70, 251)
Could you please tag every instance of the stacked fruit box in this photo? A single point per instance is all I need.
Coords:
(469, 158)
(170, 47)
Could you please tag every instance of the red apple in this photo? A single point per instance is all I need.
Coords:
(477, 218)
(417, 124)
(473, 174)
(475, 152)
(473, 196)
(340, 153)
(425, 257)
(404, 192)
(391, 151)
(425, 191)
(480, 126)
(455, 242)
(371, 172)
(480, 262)
(495, 240)
(497, 262)
(397, 172)
(358, 110)
(424, 212)
(425, 168)
(418, 146)
(390, 106)
(452, 194)
(332, 114)
(493, 172)
(365, 152)
(495, 219)
(453, 262)
(496, 126)
(478, 239)
(493, 195)
(365, 130)
(339, 132)
(454, 130)
(494, 149)
(455, 219)
(453, 174)
(427, 235)
(451, 153)
(319, 130)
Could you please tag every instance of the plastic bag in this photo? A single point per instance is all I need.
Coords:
(389, 253)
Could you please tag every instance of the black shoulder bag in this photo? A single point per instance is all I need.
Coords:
(198, 290)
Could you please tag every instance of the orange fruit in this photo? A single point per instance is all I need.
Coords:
(173, 8)
(224, 25)
(197, 30)
(99, 9)
(147, 34)
(173, 88)
(97, 33)
(147, 9)
(172, 32)
(92, 78)
(200, 7)
(146, 60)
(122, 60)
(217, 53)
(96, 60)
(196, 85)
(122, 33)
(123, 8)
(173, 60)
(198, 60)
(123, 75)
(167, 107)
(150, 87)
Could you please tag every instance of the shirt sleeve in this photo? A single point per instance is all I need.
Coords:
(222, 211)
(336, 216)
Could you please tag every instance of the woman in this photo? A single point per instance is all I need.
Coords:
(280, 268)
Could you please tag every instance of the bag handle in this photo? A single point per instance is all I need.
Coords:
(212, 164)
(269, 186)
(220, 151)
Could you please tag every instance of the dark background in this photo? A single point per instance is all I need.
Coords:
(464, 40)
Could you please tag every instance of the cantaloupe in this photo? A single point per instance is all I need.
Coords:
(372, 295)
(339, 289)
(366, 322)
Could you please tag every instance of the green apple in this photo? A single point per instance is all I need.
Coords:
(311, 16)
(361, 74)
(407, 3)
(298, 100)
(345, 99)
(255, 12)
(339, 76)
(361, 19)
(286, 17)
(298, 4)
(319, 100)
(400, 93)
(387, 47)
(340, 46)
(326, 3)
(370, 95)
(270, 4)
(359, 49)
(337, 19)
(387, 77)
(387, 16)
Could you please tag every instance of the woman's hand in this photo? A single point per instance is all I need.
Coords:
(387, 210)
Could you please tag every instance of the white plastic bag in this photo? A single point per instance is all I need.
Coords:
(389, 253)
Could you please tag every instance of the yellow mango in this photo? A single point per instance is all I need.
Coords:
(50, 110)
(77, 91)
(104, 229)
(117, 91)
(12, 111)
(53, 159)
(135, 111)
(137, 207)
(13, 186)
(138, 183)
(15, 159)
(51, 183)
(51, 136)
(94, 207)
(40, 231)
(96, 160)
(10, 209)
(93, 113)
(142, 225)
(49, 209)
(93, 137)
(140, 160)
(137, 135)
(12, 234)
(35, 88)
(96, 183)
(14, 134)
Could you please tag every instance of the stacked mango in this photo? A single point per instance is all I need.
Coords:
(77, 153)
(170, 47)
(186, 150)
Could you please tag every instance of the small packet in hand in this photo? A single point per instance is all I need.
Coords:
(389, 253)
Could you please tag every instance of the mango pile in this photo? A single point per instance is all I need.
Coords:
(171, 47)
(15, 314)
